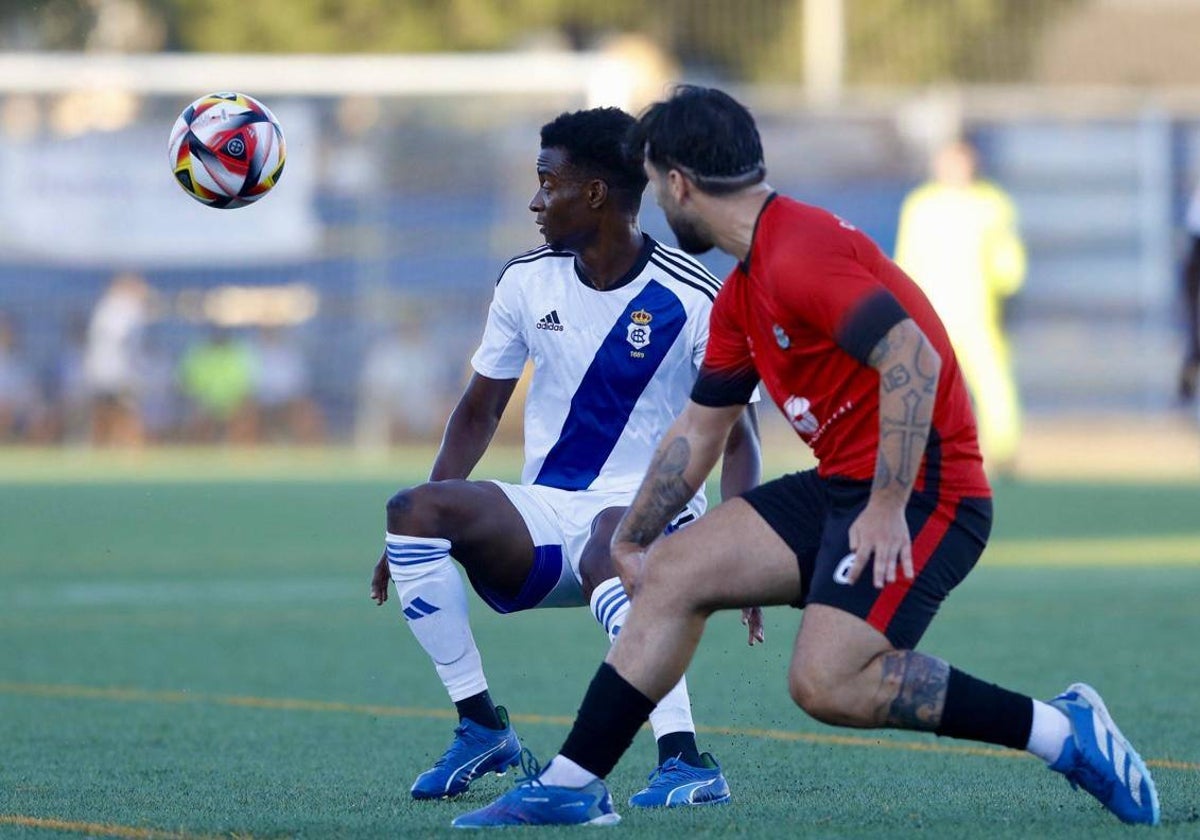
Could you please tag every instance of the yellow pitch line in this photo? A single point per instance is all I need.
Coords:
(1182, 550)
(105, 829)
(294, 704)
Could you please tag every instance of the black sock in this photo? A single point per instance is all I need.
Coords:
(480, 709)
(980, 711)
(681, 745)
(611, 714)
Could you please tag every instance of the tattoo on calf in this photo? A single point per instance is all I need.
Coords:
(664, 493)
(915, 685)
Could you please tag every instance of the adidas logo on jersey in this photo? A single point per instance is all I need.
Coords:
(551, 322)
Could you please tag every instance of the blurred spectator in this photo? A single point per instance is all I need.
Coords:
(69, 394)
(1190, 370)
(158, 392)
(283, 405)
(401, 388)
(23, 414)
(958, 239)
(114, 346)
(216, 378)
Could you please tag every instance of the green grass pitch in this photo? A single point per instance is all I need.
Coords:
(186, 659)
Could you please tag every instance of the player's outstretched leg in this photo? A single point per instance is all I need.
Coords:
(1099, 759)
(684, 776)
(534, 803)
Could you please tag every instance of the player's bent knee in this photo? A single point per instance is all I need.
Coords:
(685, 582)
(414, 511)
(815, 694)
(802, 690)
(660, 584)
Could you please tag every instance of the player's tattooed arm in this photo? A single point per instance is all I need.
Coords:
(688, 452)
(912, 690)
(908, 369)
(664, 492)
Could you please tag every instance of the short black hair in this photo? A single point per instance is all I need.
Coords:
(705, 133)
(594, 141)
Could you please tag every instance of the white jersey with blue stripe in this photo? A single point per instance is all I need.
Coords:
(611, 369)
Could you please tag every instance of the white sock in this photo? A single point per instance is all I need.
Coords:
(609, 605)
(673, 713)
(563, 772)
(1049, 733)
(434, 601)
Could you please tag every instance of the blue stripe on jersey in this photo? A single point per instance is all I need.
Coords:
(610, 389)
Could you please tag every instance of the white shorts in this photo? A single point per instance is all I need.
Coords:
(560, 524)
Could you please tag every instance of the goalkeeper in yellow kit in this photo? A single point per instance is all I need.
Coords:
(958, 239)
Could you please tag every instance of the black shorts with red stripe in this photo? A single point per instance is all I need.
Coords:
(813, 515)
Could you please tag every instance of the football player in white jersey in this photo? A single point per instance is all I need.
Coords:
(616, 326)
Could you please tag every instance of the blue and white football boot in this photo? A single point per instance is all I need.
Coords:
(474, 752)
(533, 803)
(1098, 759)
(677, 784)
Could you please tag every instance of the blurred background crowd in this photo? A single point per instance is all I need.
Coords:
(1030, 162)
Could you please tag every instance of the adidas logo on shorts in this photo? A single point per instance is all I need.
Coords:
(551, 322)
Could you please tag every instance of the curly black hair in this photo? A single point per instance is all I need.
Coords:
(594, 141)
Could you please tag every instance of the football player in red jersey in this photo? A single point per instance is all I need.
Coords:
(869, 543)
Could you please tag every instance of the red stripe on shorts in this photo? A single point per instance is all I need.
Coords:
(923, 546)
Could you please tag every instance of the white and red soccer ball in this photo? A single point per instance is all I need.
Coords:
(227, 150)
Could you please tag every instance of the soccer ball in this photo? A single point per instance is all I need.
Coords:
(227, 150)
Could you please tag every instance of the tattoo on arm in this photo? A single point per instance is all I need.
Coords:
(883, 474)
(913, 688)
(895, 377)
(879, 352)
(909, 368)
(912, 435)
(664, 493)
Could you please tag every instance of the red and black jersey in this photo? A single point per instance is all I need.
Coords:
(801, 314)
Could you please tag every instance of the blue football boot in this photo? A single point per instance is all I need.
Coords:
(676, 783)
(533, 803)
(1098, 759)
(475, 751)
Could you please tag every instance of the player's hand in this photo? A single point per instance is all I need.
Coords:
(880, 533)
(752, 619)
(628, 559)
(380, 579)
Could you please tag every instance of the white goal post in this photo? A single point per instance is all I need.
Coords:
(605, 78)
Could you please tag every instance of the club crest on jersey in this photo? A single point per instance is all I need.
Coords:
(638, 331)
(782, 338)
(798, 414)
